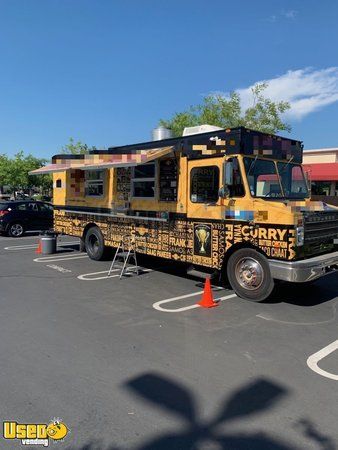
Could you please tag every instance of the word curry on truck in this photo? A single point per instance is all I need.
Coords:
(235, 201)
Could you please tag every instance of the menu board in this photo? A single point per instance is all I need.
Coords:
(123, 175)
(168, 180)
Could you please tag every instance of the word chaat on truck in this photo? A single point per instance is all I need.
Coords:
(235, 201)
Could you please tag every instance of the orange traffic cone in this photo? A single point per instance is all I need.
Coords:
(207, 298)
(38, 251)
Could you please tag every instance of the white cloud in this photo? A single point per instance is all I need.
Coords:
(290, 14)
(307, 90)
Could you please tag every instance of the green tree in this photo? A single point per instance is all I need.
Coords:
(45, 182)
(226, 112)
(76, 148)
(3, 172)
(14, 172)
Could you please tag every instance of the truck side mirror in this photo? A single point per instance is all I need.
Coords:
(228, 173)
(224, 192)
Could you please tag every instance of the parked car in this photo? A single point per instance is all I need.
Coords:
(4, 197)
(19, 216)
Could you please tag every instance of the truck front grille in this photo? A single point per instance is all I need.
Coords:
(320, 226)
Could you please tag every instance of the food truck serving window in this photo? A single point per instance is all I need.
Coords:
(143, 181)
(204, 184)
(94, 182)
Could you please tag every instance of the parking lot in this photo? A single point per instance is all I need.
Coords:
(137, 364)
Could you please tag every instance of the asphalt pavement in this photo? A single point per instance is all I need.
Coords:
(135, 364)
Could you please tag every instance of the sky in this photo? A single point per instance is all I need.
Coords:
(105, 71)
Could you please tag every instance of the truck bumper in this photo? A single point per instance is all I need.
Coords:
(306, 270)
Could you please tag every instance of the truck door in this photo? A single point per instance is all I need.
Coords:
(204, 181)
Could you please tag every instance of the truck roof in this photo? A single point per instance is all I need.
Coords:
(239, 140)
(230, 141)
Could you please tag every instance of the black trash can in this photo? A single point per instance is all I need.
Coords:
(48, 242)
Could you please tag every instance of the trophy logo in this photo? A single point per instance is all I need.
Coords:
(202, 233)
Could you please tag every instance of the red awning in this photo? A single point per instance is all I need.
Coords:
(322, 171)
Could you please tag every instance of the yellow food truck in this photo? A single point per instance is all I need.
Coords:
(231, 201)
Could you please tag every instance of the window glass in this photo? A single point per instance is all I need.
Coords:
(94, 188)
(94, 183)
(94, 174)
(45, 207)
(144, 189)
(204, 184)
(143, 181)
(58, 183)
(22, 207)
(145, 171)
(32, 207)
(237, 188)
(262, 178)
(293, 180)
(320, 187)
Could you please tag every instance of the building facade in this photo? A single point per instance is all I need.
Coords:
(321, 167)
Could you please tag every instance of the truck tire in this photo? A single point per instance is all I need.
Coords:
(249, 275)
(82, 245)
(94, 244)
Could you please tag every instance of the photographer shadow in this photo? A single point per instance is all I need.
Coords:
(259, 396)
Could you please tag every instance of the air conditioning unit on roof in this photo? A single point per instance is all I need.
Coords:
(200, 129)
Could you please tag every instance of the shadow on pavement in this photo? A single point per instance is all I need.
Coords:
(302, 294)
(306, 294)
(169, 396)
(61, 249)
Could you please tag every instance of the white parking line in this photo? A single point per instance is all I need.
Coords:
(3, 238)
(87, 276)
(313, 360)
(83, 276)
(157, 305)
(31, 246)
(62, 257)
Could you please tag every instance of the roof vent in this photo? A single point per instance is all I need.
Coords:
(161, 133)
(200, 129)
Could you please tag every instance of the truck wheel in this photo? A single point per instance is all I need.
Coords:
(94, 243)
(249, 275)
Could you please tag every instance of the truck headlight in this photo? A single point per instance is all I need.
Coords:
(299, 236)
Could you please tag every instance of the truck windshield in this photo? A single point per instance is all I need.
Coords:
(264, 181)
(293, 180)
(262, 178)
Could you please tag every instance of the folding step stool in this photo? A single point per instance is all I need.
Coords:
(125, 251)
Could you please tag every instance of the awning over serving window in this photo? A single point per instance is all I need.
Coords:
(106, 161)
(322, 171)
(124, 160)
(50, 168)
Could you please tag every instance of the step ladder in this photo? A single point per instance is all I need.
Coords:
(124, 253)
